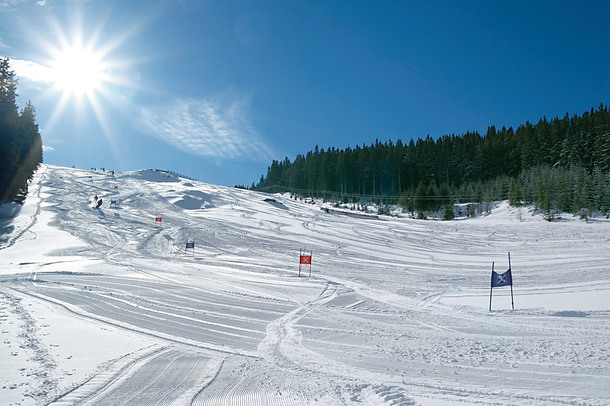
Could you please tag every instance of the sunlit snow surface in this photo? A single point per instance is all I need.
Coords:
(107, 306)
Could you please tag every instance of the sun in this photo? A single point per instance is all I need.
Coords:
(78, 71)
(85, 66)
(88, 69)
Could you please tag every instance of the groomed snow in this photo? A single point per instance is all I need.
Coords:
(107, 306)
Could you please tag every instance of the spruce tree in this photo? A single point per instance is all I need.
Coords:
(21, 151)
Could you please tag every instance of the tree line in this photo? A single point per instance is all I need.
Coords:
(20, 141)
(561, 164)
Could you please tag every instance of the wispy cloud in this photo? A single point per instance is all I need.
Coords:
(14, 3)
(211, 127)
(32, 71)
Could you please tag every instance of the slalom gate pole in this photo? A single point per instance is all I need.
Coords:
(300, 255)
(310, 255)
(491, 289)
(512, 301)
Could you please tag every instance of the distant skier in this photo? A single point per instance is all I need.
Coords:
(99, 203)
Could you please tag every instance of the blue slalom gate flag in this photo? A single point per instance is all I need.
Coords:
(501, 279)
(190, 245)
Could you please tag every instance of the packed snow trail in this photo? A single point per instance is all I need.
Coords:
(396, 311)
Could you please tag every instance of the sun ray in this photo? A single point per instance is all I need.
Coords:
(57, 111)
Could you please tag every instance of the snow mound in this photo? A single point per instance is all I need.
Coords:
(502, 212)
(195, 200)
(152, 175)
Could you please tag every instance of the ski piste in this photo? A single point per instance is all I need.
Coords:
(106, 306)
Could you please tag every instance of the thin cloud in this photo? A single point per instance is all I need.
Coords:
(32, 71)
(11, 4)
(219, 128)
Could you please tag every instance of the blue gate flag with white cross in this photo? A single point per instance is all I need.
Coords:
(501, 279)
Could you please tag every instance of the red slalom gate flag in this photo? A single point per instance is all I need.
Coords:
(158, 219)
(304, 259)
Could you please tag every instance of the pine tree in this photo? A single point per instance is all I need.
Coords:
(21, 151)
(420, 200)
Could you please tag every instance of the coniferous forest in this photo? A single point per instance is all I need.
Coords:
(20, 141)
(558, 165)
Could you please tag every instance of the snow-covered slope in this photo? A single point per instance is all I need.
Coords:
(107, 306)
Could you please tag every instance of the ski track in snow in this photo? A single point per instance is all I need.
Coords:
(41, 369)
(395, 312)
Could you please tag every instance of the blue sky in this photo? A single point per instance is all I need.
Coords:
(218, 89)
